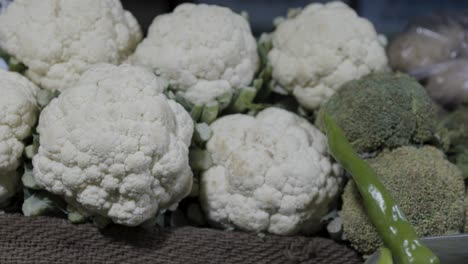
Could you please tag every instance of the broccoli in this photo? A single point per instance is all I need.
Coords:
(382, 111)
(429, 189)
(465, 227)
(453, 129)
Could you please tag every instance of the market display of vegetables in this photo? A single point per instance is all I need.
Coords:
(316, 129)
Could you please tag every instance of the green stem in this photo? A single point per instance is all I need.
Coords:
(200, 159)
(244, 99)
(196, 112)
(16, 66)
(390, 222)
(202, 133)
(210, 112)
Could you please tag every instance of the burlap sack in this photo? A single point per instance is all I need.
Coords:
(52, 240)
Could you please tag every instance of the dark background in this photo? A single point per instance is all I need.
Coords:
(389, 16)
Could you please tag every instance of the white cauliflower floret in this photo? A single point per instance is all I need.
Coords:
(321, 48)
(270, 173)
(18, 114)
(204, 51)
(60, 39)
(114, 145)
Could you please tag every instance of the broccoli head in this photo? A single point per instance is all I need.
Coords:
(453, 129)
(382, 111)
(429, 189)
(465, 227)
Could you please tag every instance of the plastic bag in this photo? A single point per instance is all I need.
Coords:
(4, 4)
(434, 49)
(448, 83)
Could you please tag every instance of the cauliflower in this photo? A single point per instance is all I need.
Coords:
(382, 111)
(269, 173)
(206, 52)
(114, 146)
(17, 117)
(429, 189)
(60, 39)
(314, 52)
(18, 114)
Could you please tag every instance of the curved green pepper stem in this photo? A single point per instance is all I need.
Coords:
(392, 226)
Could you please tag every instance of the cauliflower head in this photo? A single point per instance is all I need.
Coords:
(18, 114)
(314, 53)
(429, 189)
(113, 145)
(269, 173)
(382, 111)
(60, 39)
(206, 52)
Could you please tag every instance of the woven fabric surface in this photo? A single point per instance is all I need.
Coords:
(53, 240)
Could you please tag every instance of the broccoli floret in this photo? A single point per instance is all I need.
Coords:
(382, 111)
(429, 189)
(465, 227)
(454, 130)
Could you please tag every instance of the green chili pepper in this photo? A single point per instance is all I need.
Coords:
(391, 224)
(385, 256)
